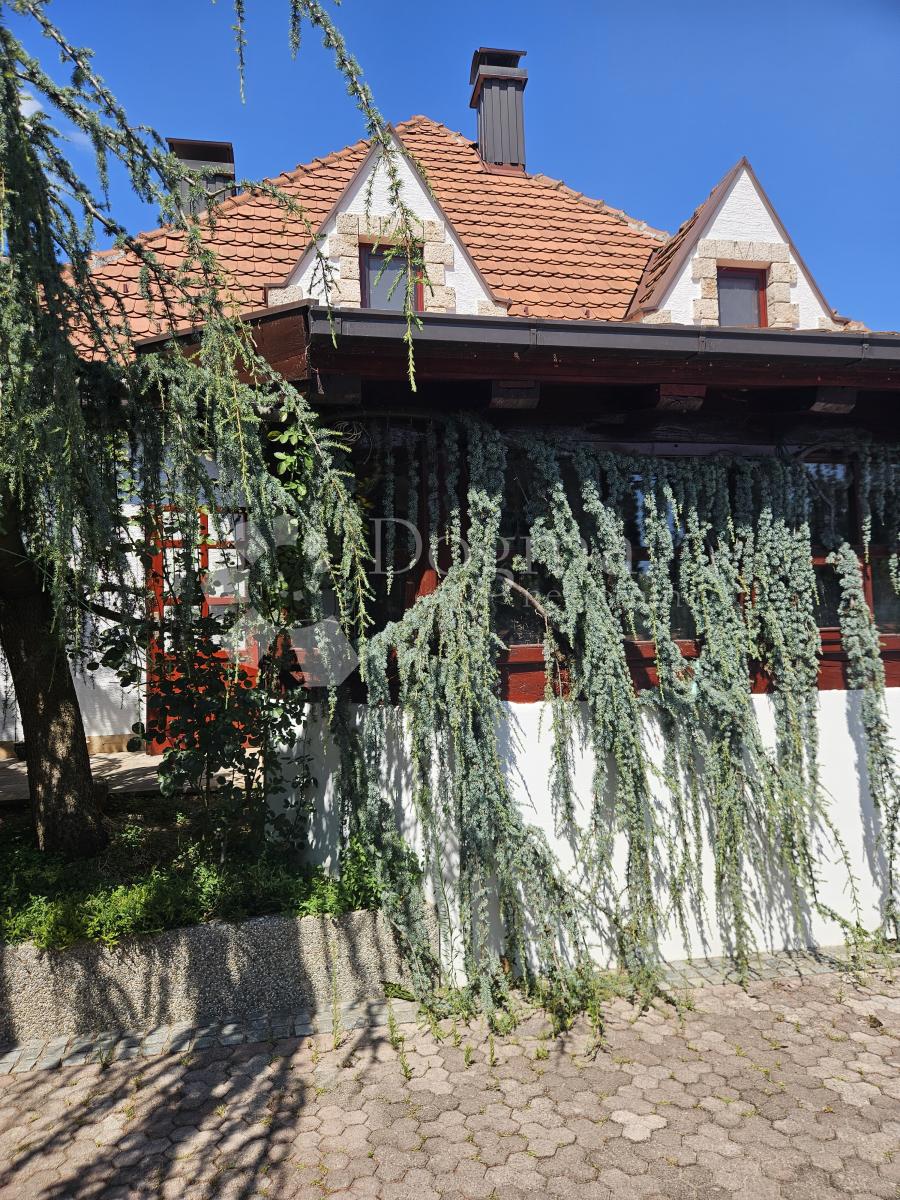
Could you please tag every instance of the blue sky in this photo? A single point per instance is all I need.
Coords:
(645, 105)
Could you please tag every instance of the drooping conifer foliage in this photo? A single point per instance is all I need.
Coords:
(93, 432)
(104, 450)
(712, 560)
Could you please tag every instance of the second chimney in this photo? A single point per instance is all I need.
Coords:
(498, 84)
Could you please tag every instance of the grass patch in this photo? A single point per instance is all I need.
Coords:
(158, 873)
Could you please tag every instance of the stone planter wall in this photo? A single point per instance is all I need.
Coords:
(206, 973)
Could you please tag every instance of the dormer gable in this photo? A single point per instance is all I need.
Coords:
(732, 263)
(361, 221)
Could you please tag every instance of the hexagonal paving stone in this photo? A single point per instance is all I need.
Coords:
(789, 1090)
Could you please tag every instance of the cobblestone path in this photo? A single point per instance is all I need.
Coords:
(791, 1089)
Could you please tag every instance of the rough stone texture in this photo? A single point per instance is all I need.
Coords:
(437, 254)
(662, 316)
(727, 250)
(288, 295)
(787, 1090)
(487, 308)
(209, 972)
(781, 275)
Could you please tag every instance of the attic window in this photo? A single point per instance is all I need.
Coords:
(382, 278)
(742, 297)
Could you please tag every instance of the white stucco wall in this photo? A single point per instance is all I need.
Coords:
(307, 277)
(106, 709)
(741, 216)
(525, 743)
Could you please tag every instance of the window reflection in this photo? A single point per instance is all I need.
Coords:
(885, 601)
(828, 597)
(682, 624)
(831, 521)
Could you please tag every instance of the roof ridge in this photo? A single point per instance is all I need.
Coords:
(635, 223)
(455, 135)
(502, 221)
(325, 159)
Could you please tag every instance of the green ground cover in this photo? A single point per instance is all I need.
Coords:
(161, 872)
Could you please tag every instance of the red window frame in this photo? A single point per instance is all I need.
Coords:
(159, 598)
(760, 274)
(365, 250)
(522, 666)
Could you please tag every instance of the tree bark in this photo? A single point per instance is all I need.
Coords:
(63, 799)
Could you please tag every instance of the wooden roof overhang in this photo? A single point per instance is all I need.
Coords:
(450, 346)
(279, 335)
(619, 380)
(301, 339)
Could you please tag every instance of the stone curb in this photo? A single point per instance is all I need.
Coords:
(182, 1038)
(107, 1047)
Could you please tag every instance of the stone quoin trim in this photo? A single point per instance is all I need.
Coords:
(345, 231)
(343, 254)
(355, 231)
(772, 257)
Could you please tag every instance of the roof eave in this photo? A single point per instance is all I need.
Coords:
(515, 334)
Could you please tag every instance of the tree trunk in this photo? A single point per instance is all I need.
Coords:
(63, 800)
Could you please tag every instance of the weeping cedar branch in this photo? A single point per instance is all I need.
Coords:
(732, 540)
(76, 437)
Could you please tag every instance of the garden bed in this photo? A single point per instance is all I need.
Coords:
(163, 927)
(162, 870)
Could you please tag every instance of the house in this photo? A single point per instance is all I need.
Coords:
(544, 307)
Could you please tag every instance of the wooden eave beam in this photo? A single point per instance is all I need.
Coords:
(514, 393)
(578, 367)
(835, 400)
(680, 397)
(279, 335)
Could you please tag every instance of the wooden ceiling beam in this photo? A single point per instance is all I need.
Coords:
(514, 393)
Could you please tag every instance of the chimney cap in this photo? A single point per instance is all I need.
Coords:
(193, 150)
(488, 56)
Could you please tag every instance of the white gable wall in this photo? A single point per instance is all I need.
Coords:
(742, 216)
(447, 264)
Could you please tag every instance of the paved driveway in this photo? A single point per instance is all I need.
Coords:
(789, 1090)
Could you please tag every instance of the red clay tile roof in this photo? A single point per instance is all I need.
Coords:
(256, 242)
(545, 249)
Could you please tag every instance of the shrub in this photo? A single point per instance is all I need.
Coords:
(55, 903)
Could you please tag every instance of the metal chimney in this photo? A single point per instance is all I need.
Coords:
(215, 159)
(498, 84)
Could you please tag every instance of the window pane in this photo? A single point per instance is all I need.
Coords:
(882, 531)
(830, 519)
(738, 299)
(681, 620)
(885, 600)
(518, 621)
(383, 276)
(828, 597)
